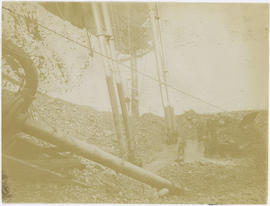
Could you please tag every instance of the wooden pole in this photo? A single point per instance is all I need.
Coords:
(89, 151)
(158, 63)
(162, 55)
(130, 140)
(134, 74)
(162, 67)
(134, 86)
(109, 80)
(159, 67)
(111, 48)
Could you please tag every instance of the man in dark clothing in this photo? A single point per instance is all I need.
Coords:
(188, 131)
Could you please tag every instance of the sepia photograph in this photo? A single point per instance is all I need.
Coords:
(134, 102)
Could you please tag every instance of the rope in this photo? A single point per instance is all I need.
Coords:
(124, 66)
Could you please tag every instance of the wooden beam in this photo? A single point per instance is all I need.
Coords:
(109, 79)
(89, 151)
(16, 167)
(129, 141)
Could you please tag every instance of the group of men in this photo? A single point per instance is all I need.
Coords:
(195, 129)
(217, 133)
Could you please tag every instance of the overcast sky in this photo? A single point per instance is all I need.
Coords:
(217, 52)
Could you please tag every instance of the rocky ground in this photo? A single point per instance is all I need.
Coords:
(213, 180)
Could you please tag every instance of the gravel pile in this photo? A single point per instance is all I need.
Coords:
(243, 181)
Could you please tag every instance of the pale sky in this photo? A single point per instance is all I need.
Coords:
(217, 52)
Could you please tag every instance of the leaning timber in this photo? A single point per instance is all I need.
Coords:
(89, 151)
(18, 165)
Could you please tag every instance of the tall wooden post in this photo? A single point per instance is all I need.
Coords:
(134, 74)
(157, 57)
(173, 125)
(134, 86)
(109, 79)
(162, 67)
(111, 48)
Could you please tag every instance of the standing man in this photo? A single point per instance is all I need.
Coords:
(181, 143)
(188, 132)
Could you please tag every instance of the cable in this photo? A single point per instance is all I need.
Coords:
(124, 66)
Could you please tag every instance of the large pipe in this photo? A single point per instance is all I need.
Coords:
(89, 151)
